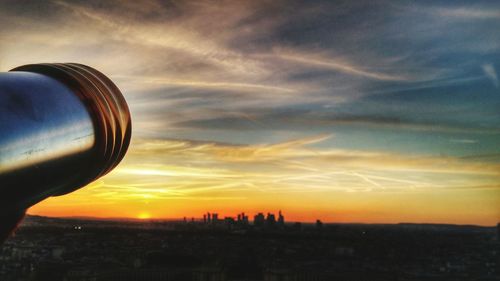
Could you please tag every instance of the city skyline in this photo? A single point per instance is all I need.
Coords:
(372, 112)
(51, 249)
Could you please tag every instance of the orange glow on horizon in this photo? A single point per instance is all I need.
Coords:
(144, 216)
(176, 179)
(341, 214)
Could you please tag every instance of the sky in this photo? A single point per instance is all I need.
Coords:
(346, 111)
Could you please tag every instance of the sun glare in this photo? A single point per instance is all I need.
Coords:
(144, 216)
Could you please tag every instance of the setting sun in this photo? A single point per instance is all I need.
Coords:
(144, 216)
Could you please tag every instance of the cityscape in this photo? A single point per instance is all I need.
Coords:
(260, 220)
(267, 248)
(188, 140)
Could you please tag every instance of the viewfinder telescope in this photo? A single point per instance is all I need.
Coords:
(62, 126)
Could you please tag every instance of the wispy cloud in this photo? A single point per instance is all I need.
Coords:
(489, 71)
(159, 171)
(189, 168)
(470, 13)
(464, 141)
(338, 64)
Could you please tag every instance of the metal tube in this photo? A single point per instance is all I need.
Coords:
(61, 127)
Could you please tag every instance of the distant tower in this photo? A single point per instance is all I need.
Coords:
(281, 219)
(209, 217)
(244, 218)
(271, 219)
(215, 217)
(259, 219)
(205, 218)
(319, 224)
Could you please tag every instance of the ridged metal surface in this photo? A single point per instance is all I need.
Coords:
(61, 127)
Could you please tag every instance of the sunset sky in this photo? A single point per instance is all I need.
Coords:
(347, 111)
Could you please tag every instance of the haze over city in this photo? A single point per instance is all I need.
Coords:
(347, 111)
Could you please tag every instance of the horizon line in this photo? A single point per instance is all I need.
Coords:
(90, 218)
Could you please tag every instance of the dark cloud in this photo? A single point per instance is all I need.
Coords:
(307, 120)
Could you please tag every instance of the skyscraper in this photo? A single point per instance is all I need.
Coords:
(319, 224)
(244, 218)
(281, 219)
(259, 219)
(271, 219)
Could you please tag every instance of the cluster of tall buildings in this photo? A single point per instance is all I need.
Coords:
(259, 220)
(269, 220)
(213, 218)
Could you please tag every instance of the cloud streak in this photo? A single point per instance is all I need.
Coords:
(491, 73)
(296, 165)
(337, 64)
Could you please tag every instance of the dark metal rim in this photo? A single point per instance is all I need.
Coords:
(109, 111)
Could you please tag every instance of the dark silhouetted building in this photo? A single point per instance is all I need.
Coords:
(245, 218)
(242, 219)
(259, 219)
(229, 221)
(270, 220)
(319, 224)
(281, 219)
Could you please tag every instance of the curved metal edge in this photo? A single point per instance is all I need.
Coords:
(106, 105)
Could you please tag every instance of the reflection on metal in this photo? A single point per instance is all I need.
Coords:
(61, 127)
